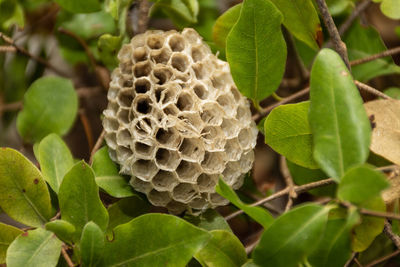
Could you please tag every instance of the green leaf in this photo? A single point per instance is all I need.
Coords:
(390, 8)
(7, 8)
(360, 184)
(363, 42)
(107, 176)
(50, 106)
(370, 227)
(338, 7)
(256, 49)
(181, 12)
(79, 199)
(92, 244)
(393, 92)
(55, 160)
(224, 24)
(7, 235)
(63, 229)
(209, 220)
(79, 6)
(39, 248)
(125, 210)
(334, 249)
(24, 194)
(108, 47)
(164, 240)
(224, 249)
(339, 124)
(287, 131)
(301, 19)
(301, 175)
(292, 236)
(258, 214)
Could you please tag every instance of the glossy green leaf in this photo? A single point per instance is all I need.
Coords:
(339, 124)
(24, 194)
(370, 227)
(7, 235)
(91, 245)
(334, 249)
(16, 18)
(209, 220)
(338, 7)
(63, 229)
(165, 240)
(301, 175)
(107, 176)
(39, 248)
(391, 8)
(360, 184)
(181, 12)
(292, 236)
(393, 92)
(250, 263)
(363, 42)
(79, 6)
(50, 106)
(108, 47)
(224, 24)
(287, 131)
(55, 160)
(258, 214)
(224, 249)
(256, 49)
(125, 210)
(301, 19)
(79, 199)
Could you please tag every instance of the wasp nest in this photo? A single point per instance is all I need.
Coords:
(175, 121)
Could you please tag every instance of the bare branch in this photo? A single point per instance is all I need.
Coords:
(369, 89)
(66, 256)
(392, 236)
(10, 106)
(8, 48)
(87, 128)
(97, 145)
(386, 53)
(383, 259)
(356, 12)
(143, 21)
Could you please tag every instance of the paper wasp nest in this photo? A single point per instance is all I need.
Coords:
(175, 121)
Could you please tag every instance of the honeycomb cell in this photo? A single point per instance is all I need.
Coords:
(140, 54)
(176, 43)
(142, 86)
(192, 149)
(180, 62)
(124, 137)
(161, 56)
(184, 192)
(200, 91)
(165, 181)
(244, 138)
(167, 159)
(158, 198)
(142, 69)
(169, 137)
(144, 150)
(188, 171)
(140, 185)
(232, 149)
(212, 114)
(231, 172)
(162, 75)
(207, 182)
(185, 102)
(155, 41)
(144, 169)
(143, 104)
(198, 53)
(214, 162)
(227, 103)
(217, 200)
(125, 98)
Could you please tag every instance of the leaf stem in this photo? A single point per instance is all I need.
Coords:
(98, 144)
(66, 256)
(369, 89)
(87, 128)
(382, 259)
(386, 53)
(392, 236)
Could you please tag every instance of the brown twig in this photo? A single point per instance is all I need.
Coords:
(11, 106)
(250, 247)
(339, 45)
(87, 128)
(87, 92)
(97, 145)
(384, 258)
(356, 12)
(353, 256)
(369, 89)
(66, 256)
(8, 48)
(289, 182)
(143, 20)
(392, 236)
(25, 52)
(386, 53)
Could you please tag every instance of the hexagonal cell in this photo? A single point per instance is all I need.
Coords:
(139, 40)
(142, 104)
(198, 53)
(144, 151)
(123, 153)
(192, 120)
(111, 140)
(207, 182)
(230, 127)
(185, 101)
(167, 159)
(169, 137)
(246, 161)
(243, 114)
(200, 71)
(125, 82)
(112, 108)
(142, 69)
(140, 185)
(201, 91)
(192, 149)
(169, 94)
(165, 181)
(220, 79)
(125, 98)
(213, 137)
(143, 127)
(175, 207)
(124, 53)
(171, 109)
(227, 103)
(160, 56)
(239, 182)
(232, 149)
(213, 162)
(188, 171)
(126, 67)
(112, 154)
(162, 75)
(198, 203)
(218, 200)
(231, 172)
(180, 62)
(124, 137)
(245, 138)
(113, 92)
(155, 41)
(110, 124)
(212, 114)
(142, 85)
(158, 198)
(236, 94)
(144, 169)
(123, 115)
(184, 192)
(191, 35)
(140, 54)
(177, 43)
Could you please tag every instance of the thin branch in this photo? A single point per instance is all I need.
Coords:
(11, 106)
(392, 236)
(87, 128)
(97, 145)
(8, 48)
(386, 53)
(289, 182)
(66, 257)
(383, 259)
(387, 215)
(369, 89)
(25, 52)
(143, 21)
(353, 256)
(356, 12)
(339, 45)
(250, 247)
